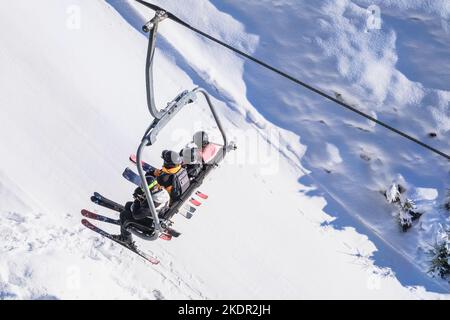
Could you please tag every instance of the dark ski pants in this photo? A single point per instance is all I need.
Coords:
(127, 216)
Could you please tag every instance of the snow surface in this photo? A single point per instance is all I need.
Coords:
(295, 212)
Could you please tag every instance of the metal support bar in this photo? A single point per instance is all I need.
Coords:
(152, 26)
(216, 118)
(160, 15)
(151, 205)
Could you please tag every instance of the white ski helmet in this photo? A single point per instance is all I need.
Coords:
(201, 139)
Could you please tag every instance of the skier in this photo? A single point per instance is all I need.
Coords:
(197, 153)
(137, 213)
(207, 149)
(172, 176)
(192, 161)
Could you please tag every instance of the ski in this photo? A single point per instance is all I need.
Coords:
(165, 236)
(172, 232)
(195, 202)
(131, 176)
(97, 198)
(186, 214)
(147, 257)
(92, 215)
(168, 230)
(104, 204)
(189, 208)
(201, 195)
(145, 165)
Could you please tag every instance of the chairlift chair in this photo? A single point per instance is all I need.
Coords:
(160, 119)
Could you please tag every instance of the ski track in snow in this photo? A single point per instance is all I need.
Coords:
(294, 239)
(21, 238)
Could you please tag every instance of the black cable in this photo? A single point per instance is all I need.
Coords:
(295, 80)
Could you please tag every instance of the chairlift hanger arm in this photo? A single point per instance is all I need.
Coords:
(152, 27)
(160, 15)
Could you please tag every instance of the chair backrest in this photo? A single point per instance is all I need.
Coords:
(209, 152)
(180, 184)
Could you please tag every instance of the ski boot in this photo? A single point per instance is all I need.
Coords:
(127, 241)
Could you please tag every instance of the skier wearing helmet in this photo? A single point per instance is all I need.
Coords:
(172, 176)
(198, 153)
(192, 161)
(207, 150)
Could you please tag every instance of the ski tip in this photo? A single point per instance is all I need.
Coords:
(95, 200)
(153, 261)
(201, 195)
(88, 214)
(126, 172)
(185, 213)
(195, 202)
(189, 208)
(128, 169)
(166, 237)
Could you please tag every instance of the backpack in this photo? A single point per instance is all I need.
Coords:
(180, 184)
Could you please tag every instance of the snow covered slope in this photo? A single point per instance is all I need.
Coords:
(73, 108)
